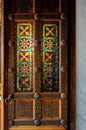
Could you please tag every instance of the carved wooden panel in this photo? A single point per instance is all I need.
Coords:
(24, 6)
(51, 109)
(48, 6)
(23, 109)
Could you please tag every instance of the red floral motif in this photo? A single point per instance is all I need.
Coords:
(49, 44)
(24, 43)
(24, 69)
(24, 82)
(49, 69)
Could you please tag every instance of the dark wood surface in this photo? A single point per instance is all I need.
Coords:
(72, 65)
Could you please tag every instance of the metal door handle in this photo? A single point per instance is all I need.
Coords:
(9, 100)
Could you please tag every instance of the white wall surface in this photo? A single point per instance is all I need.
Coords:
(81, 64)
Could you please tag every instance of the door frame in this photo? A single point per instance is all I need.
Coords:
(71, 63)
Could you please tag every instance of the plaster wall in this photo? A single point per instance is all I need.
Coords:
(81, 64)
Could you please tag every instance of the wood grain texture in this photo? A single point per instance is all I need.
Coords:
(24, 109)
(37, 128)
(72, 65)
(2, 64)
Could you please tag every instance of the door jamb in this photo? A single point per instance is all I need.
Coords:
(2, 68)
(72, 65)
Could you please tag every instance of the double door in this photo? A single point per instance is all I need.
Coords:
(35, 48)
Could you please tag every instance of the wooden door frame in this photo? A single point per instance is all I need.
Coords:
(2, 69)
(71, 68)
(72, 65)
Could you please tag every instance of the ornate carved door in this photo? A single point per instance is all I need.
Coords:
(35, 48)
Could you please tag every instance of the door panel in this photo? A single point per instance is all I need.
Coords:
(35, 63)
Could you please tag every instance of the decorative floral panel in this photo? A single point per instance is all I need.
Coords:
(24, 57)
(50, 62)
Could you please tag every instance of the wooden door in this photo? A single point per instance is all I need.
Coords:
(35, 64)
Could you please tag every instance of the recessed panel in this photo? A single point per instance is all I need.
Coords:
(24, 6)
(50, 109)
(50, 6)
(24, 109)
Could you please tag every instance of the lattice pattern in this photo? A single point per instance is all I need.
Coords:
(50, 57)
(24, 57)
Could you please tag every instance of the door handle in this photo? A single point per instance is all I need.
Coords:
(9, 99)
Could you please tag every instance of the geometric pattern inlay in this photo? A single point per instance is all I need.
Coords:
(24, 69)
(25, 83)
(50, 70)
(24, 30)
(24, 57)
(50, 84)
(50, 50)
(25, 44)
(50, 44)
(49, 57)
(50, 30)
